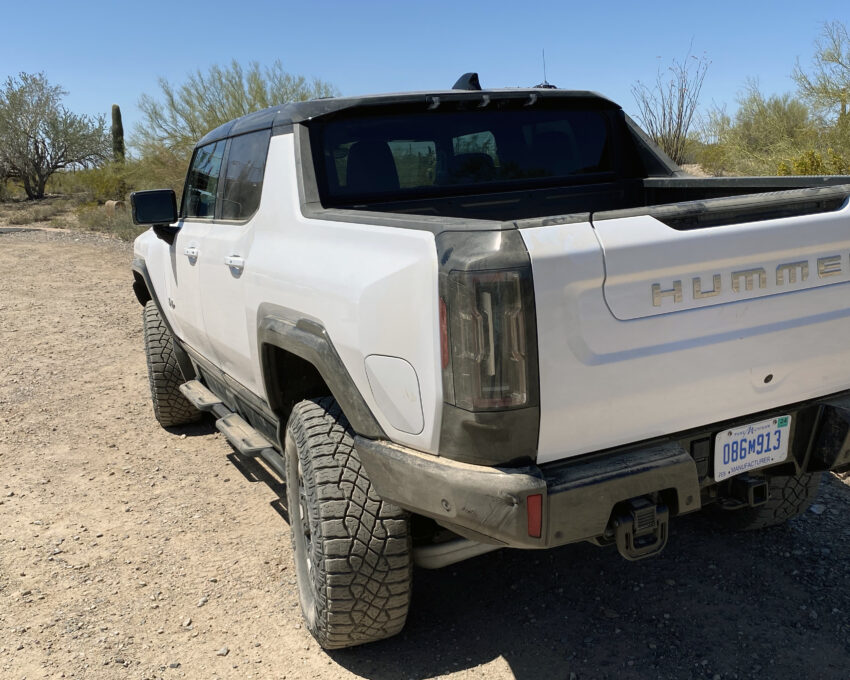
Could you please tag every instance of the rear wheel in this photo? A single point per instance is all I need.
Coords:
(788, 497)
(352, 550)
(169, 405)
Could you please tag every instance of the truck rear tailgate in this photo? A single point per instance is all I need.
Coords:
(646, 330)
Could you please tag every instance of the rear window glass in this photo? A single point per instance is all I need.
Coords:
(243, 177)
(443, 153)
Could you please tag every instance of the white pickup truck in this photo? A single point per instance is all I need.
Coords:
(462, 320)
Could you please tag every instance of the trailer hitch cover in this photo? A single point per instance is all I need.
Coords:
(641, 530)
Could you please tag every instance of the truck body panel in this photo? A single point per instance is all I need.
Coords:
(607, 381)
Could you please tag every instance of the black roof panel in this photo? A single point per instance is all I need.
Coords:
(284, 115)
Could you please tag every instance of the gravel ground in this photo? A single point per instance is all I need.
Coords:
(128, 551)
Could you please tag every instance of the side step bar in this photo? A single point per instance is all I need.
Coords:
(244, 438)
(201, 398)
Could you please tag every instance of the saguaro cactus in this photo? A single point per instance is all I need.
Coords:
(117, 135)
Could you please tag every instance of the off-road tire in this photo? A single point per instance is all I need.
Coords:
(169, 406)
(353, 558)
(788, 497)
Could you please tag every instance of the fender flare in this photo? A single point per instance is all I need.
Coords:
(307, 339)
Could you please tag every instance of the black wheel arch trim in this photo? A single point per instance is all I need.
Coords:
(285, 329)
(144, 291)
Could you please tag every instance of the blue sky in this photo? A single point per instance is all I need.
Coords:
(110, 52)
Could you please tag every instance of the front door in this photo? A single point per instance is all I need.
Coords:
(225, 263)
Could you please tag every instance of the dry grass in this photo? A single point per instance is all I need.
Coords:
(32, 212)
(118, 223)
(69, 212)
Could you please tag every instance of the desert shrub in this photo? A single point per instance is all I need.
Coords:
(11, 190)
(712, 158)
(158, 168)
(119, 223)
(27, 212)
(93, 185)
(813, 162)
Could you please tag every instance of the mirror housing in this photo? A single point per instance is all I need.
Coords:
(157, 208)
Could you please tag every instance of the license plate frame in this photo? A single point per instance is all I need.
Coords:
(762, 443)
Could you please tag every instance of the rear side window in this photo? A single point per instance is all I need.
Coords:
(202, 182)
(243, 176)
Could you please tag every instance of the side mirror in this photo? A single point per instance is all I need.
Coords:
(157, 208)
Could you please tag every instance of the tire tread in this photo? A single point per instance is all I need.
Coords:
(361, 544)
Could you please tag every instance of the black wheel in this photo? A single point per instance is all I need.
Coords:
(169, 406)
(788, 497)
(352, 550)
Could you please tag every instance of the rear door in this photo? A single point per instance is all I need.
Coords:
(225, 264)
(646, 330)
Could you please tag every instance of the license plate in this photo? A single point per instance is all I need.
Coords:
(752, 446)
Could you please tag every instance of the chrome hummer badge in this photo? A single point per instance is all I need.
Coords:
(745, 280)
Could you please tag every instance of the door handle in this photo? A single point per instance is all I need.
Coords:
(190, 252)
(236, 263)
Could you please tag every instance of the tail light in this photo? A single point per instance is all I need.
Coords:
(488, 348)
(488, 338)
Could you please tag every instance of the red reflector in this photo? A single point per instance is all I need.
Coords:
(444, 334)
(534, 504)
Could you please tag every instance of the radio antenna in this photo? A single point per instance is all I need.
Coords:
(546, 85)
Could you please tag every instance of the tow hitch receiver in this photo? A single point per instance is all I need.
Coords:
(641, 531)
(751, 491)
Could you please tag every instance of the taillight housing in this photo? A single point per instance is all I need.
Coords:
(487, 322)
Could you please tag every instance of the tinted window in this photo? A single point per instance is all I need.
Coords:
(202, 182)
(413, 155)
(243, 177)
(416, 162)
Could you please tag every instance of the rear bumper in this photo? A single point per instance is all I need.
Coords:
(490, 504)
(578, 497)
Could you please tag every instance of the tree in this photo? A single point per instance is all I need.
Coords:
(827, 86)
(39, 136)
(667, 108)
(185, 113)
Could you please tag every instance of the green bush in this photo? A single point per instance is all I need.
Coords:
(813, 162)
(158, 168)
(712, 158)
(98, 185)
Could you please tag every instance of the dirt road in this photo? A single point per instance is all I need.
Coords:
(130, 552)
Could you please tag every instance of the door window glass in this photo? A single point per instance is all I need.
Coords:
(202, 182)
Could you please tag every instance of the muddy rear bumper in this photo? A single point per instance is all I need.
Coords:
(499, 505)
(578, 499)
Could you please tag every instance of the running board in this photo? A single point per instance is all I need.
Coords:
(200, 397)
(244, 438)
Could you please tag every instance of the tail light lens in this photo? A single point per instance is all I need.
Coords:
(489, 335)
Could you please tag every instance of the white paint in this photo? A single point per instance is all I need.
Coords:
(642, 251)
(605, 382)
